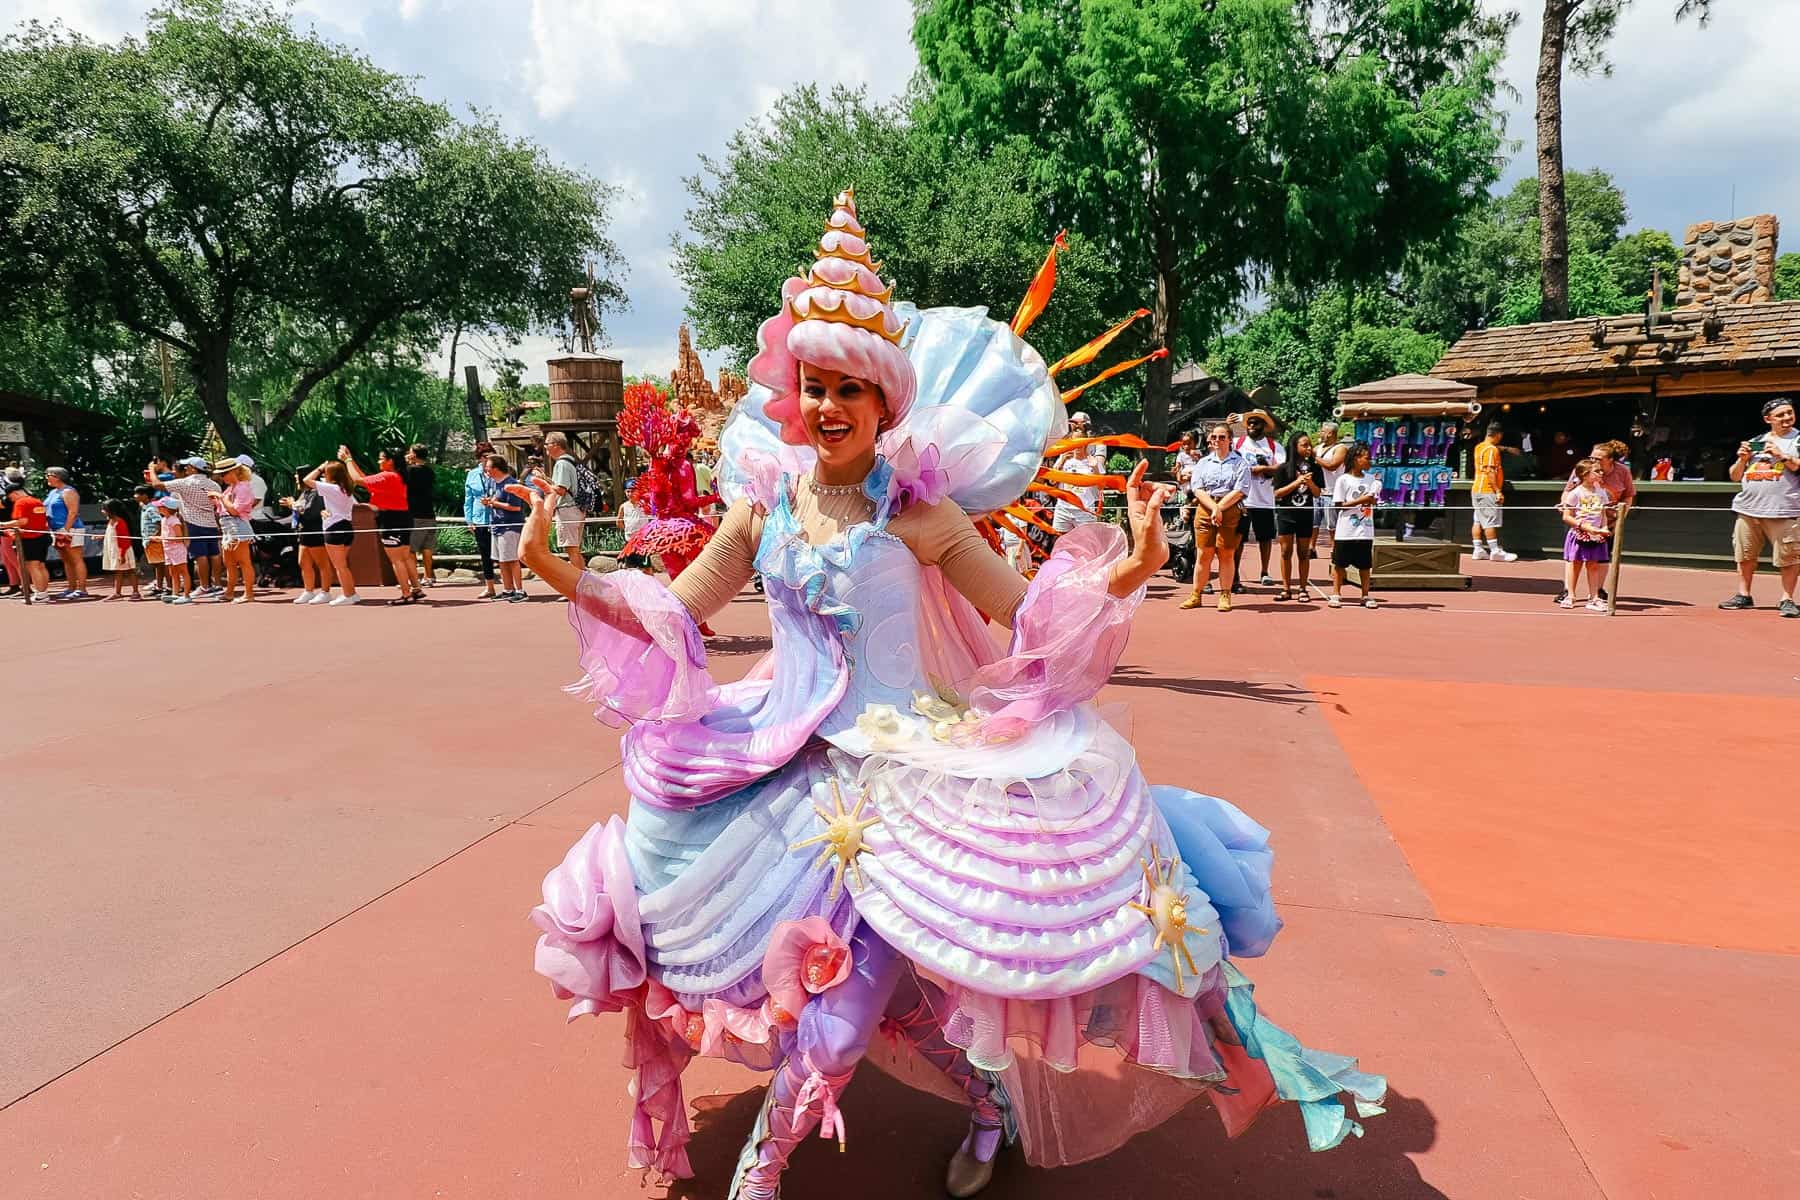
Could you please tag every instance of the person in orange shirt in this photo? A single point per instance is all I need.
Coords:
(1485, 494)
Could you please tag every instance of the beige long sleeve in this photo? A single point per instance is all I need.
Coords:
(724, 566)
(942, 535)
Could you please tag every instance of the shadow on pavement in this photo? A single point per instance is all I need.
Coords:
(728, 646)
(1237, 689)
(900, 1141)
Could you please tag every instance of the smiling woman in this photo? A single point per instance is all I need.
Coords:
(893, 822)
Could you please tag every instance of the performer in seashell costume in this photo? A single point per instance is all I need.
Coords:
(895, 838)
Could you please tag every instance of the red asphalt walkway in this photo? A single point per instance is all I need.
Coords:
(262, 923)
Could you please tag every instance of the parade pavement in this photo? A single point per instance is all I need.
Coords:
(263, 914)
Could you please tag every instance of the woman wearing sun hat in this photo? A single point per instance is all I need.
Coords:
(234, 503)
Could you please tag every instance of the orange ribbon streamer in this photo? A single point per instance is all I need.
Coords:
(1115, 482)
(1091, 351)
(1123, 441)
(1037, 296)
(1026, 515)
(1070, 395)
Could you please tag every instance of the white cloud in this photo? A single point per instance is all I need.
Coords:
(629, 50)
(1690, 115)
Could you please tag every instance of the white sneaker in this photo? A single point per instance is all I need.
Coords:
(304, 598)
(1596, 605)
(1566, 602)
(1503, 556)
(321, 598)
(345, 600)
(241, 600)
(1480, 553)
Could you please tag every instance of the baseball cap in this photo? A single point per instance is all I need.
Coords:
(244, 460)
(1078, 418)
(196, 462)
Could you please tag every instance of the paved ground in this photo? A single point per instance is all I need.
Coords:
(262, 922)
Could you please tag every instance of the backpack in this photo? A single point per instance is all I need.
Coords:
(587, 489)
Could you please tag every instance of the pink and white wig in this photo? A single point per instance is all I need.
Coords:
(838, 318)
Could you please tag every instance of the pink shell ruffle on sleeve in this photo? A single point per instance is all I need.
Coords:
(642, 656)
(1068, 633)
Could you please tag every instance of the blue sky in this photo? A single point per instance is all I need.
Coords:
(635, 92)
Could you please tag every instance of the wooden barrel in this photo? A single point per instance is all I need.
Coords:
(586, 387)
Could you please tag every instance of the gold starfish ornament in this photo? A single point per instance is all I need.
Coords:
(1167, 910)
(842, 839)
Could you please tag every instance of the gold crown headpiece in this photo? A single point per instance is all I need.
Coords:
(844, 283)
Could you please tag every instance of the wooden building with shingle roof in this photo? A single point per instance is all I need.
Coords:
(1737, 349)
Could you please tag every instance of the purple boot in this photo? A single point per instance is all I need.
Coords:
(832, 1035)
(972, 1166)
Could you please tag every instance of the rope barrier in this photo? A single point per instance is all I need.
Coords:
(442, 524)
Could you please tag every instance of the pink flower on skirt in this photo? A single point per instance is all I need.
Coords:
(804, 959)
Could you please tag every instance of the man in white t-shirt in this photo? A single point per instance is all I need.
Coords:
(1328, 452)
(1263, 453)
(1767, 472)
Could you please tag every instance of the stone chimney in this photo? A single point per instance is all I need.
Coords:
(1729, 262)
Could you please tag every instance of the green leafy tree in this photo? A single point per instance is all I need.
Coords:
(1787, 276)
(1204, 144)
(1490, 262)
(950, 228)
(1574, 36)
(1370, 352)
(1636, 257)
(225, 174)
(1593, 292)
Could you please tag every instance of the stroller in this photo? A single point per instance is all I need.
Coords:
(277, 558)
(1180, 532)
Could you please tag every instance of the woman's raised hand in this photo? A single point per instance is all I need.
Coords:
(1143, 506)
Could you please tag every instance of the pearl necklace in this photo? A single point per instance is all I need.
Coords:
(833, 489)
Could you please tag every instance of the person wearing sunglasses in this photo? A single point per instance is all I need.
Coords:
(1218, 482)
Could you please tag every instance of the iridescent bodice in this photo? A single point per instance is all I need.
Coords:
(865, 583)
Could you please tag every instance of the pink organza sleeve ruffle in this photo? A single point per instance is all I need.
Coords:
(1068, 632)
(642, 656)
(591, 947)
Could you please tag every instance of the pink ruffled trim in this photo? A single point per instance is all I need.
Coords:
(937, 450)
(1149, 1025)
(659, 1134)
(592, 946)
(642, 656)
(1068, 633)
(592, 951)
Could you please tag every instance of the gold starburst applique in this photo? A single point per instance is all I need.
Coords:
(842, 839)
(1167, 910)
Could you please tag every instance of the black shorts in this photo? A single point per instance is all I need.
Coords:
(1358, 554)
(35, 549)
(312, 538)
(394, 526)
(1262, 523)
(341, 534)
(1294, 522)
